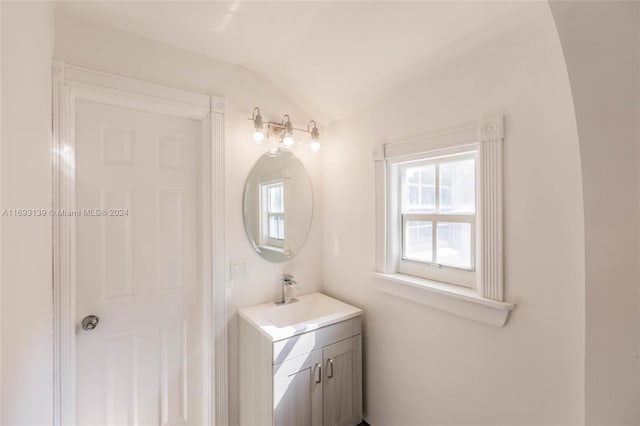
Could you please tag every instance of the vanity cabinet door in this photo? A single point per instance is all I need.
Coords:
(297, 391)
(343, 383)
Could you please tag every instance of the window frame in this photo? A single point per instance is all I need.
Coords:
(485, 301)
(266, 214)
(466, 277)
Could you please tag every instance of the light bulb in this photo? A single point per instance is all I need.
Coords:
(258, 136)
(287, 141)
(258, 126)
(314, 143)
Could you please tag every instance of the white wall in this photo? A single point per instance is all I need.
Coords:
(424, 366)
(95, 46)
(600, 43)
(26, 300)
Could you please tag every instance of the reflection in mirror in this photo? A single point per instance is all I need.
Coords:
(278, 206)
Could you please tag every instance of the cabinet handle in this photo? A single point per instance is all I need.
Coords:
(318, 373)
(330, 368)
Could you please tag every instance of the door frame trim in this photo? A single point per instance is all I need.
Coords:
(72, 83)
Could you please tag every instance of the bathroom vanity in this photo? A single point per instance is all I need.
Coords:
(300, 359)
(301, 363)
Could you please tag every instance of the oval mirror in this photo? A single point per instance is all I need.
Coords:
(278, 206)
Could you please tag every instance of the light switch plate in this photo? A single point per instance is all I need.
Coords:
(237, 267)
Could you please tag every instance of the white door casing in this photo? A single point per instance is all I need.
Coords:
(155, 275)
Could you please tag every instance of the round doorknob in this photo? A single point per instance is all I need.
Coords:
(90, 322)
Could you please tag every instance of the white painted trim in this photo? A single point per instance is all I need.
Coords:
(441, 140)
(220, 337)
(73, 83)
(1, 139)
(457, 300)
(488, 136)
(63, 196)
(56, 70)
(381, 195)
(85, 77)
(135, 101)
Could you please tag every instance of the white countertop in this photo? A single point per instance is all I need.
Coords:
(310, 312)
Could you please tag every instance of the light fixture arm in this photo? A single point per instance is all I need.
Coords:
(315, 133)
(256, 117)
(283, 130)
(286, 122)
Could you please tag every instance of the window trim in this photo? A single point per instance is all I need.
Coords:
(487, 137)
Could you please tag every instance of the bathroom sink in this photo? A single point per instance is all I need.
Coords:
(309, 312)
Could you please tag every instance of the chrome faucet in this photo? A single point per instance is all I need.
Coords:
(287, 281)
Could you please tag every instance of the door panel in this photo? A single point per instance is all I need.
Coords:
(343, 381)
(138, 267)
(297, 396)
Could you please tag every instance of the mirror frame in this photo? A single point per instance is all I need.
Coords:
(286, 257)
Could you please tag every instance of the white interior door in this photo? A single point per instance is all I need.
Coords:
(139, 267)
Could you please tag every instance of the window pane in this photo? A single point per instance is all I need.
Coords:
(458, 186)
(454, 244)
(418, 241)
(276, 227)
(413, 196)
(273, 227)
(419, 189)
(412, 175)
(276, 199)
(281, 228)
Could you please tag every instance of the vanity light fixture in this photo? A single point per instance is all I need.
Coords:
(314, 143)
(280, 136)
(287, 139)
(258, 126)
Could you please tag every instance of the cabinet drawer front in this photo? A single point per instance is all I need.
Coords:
(307, 342)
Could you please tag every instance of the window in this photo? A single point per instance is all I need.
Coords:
(272, 211)
(437, 217)
(439, 235)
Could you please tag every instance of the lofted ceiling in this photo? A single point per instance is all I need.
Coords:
(332, 58)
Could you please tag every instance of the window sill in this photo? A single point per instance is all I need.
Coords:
(447, 297)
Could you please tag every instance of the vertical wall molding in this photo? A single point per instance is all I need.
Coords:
(63, 197)
(381, 209)
(1, 156)
(490, 138)
(220, 376)
(58, 81)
